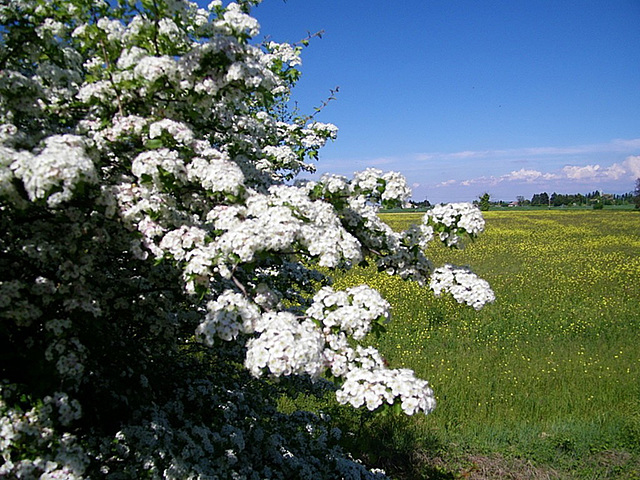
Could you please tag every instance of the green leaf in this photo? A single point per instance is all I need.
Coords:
(154, 144)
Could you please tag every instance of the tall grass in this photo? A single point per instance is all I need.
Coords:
(549, 373)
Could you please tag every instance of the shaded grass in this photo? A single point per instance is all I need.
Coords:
(546, 379)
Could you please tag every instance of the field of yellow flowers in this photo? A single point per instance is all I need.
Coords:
(549, 373)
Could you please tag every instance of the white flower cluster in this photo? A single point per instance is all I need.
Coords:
(276, 223)
(396, 187)
(216, 173)
(290, 345)
(58, 458)
(151, 69)
(122, 128)
(367, 180)
(418, 235)
(379, 185)
(398, 253)
(281, 156)
(334, 184)
(280, 159)
(351, 311)
(147, 72)
(372, 384)
(68, 410)
(181, 133)
(368, 381)
(464, 285)
(152, 164)
(7, 154)
(235, 21)
(227, 316)
(453, 220)
(286, 346)
(316, 134)
(55, 172)
(179, 242)
(286, 53)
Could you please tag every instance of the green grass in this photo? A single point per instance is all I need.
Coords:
(546, 380)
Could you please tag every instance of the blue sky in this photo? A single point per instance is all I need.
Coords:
(465, 97)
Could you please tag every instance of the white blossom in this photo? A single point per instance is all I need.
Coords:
(151, 68)
(352, 310)
(234, 21)
(113, 28)
(335, 183)
(130, 57)
(286, 346)
(370, 383)
(178, 242)
(56, 171)
(286, 53)
(153, 164)
(180, 132)
(458, 219)
(227, 316)
(463, 285)
(367, 180)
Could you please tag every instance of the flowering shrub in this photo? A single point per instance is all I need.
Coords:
(158, 267)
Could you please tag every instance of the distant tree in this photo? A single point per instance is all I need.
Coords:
(484, 203)
(624, 199)
(521, 200)
(594, 195)
(597, 201)
(423, 204)
(636, 194)
(540, 199)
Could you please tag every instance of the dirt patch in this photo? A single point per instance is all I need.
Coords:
(497, 467)
(610, 465)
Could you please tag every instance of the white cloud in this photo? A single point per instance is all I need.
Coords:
(614, 146)
(470, 154)
(615, 172)
(528, 176)
(447, 183)
(629, 170)
(480, 181)
(596, 172)
(623, 145)
(588, 172)
(632, 165)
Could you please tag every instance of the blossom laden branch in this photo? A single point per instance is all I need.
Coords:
(145, 158)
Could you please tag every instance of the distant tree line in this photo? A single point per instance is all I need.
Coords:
(596, 199)
(423, 204)
(593, 198)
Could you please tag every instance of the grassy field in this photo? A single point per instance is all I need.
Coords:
(545, 382)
